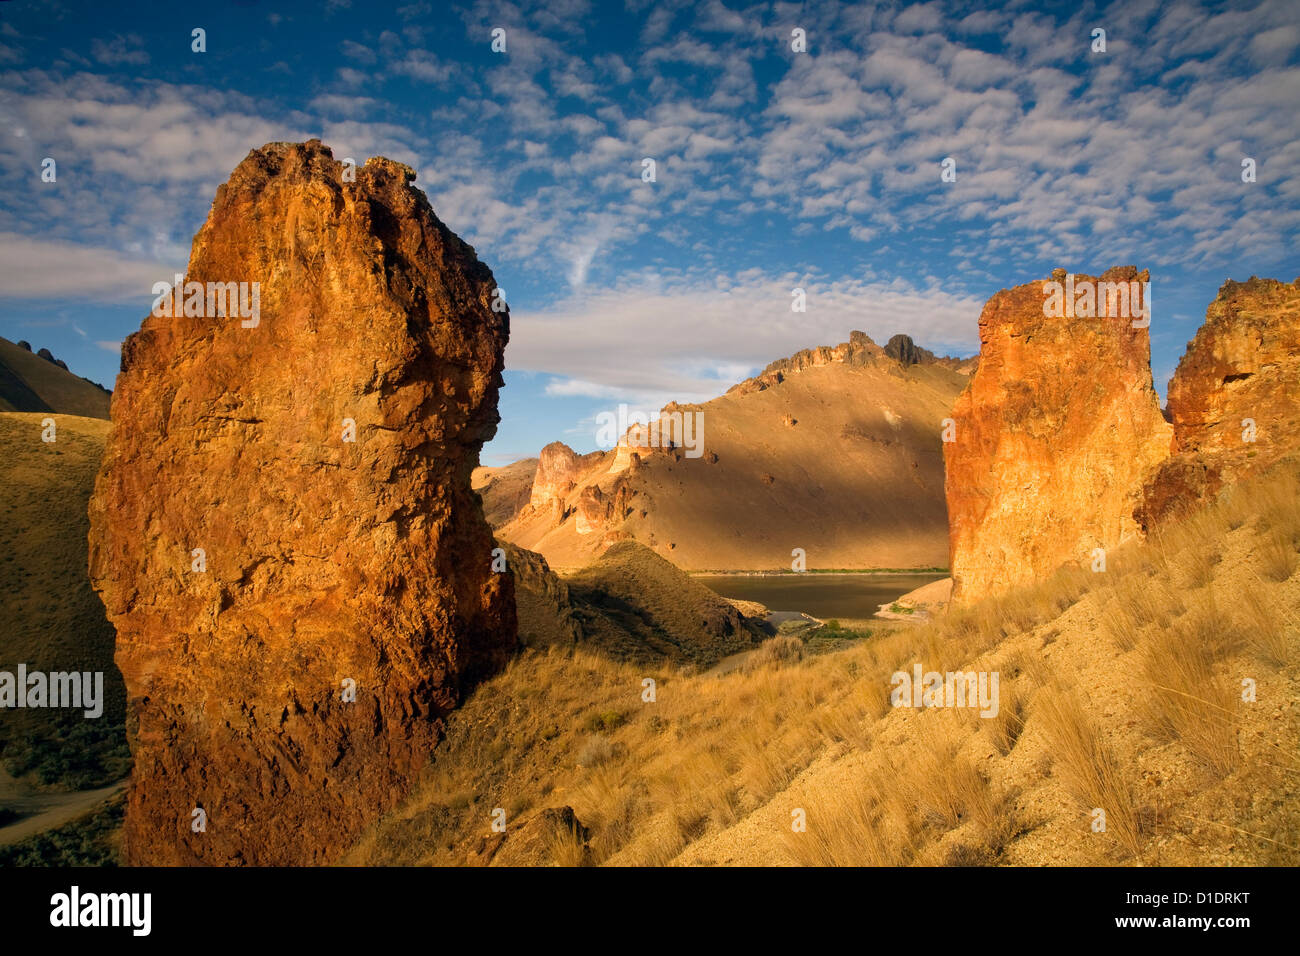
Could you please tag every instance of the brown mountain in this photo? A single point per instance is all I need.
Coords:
(38, 382)
(287, 683)
(835, 450)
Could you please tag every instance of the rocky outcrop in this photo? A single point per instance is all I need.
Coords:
(283, 530)
(903, 350)
(858, 350)
(1053, 435)
(553, 836)
(542, 601)
(1234, 400)
(559, 468)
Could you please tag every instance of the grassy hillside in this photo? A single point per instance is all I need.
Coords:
(50, 618)
(29, 383)
(1119, 691)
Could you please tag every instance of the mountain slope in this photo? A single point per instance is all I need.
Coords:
(835, 450)
(1119, 690)
(50, 618)
(29, 382)
(505, 491)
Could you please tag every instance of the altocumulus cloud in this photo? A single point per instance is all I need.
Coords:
(677, 338)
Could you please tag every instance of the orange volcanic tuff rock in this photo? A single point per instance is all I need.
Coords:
(1053, 435)
(1235, 398)
(297, 611)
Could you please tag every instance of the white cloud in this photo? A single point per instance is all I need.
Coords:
(684, 339)
(53, 269)
(120, 51)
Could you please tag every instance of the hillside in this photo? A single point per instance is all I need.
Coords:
(629, 605)
(1119, 691)
(505, 490)
(835, 450)
(50, 618)
(30, 382)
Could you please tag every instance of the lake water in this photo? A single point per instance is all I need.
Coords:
(823, 596)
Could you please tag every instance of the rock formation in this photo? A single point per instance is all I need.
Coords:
(907, 352)
(1234, 400)
(558, 469)
(283, 518)
(1053, 435)
(542, 601)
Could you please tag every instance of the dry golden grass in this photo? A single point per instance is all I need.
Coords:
(1267, 628)
(713, 767)
(1188, 701)
(1278, 556)
(1090, 770)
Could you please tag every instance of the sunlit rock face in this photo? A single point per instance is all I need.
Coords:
(1234, 400)
(1051, 437)
(283, 530)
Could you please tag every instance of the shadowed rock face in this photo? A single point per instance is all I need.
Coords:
(1243, 367)
(327, 561)
(907, 352)
(1054, 434)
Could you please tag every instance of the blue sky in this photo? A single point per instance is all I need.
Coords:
(774, 169)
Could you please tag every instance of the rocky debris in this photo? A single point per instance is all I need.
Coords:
(1235, 399)
(283, 530)
(550, 837)
(1054, 432)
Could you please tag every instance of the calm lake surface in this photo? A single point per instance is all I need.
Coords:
(821, 595)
